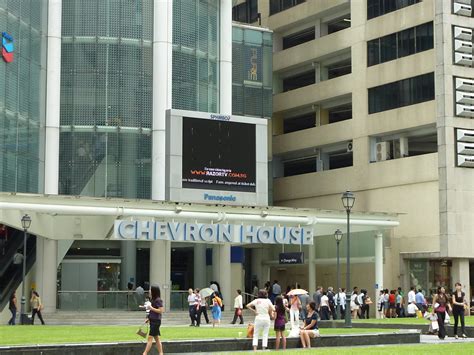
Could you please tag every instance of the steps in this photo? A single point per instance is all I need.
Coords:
(174, 318)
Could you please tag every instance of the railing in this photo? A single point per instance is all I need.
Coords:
(113, 300)
(247, 298)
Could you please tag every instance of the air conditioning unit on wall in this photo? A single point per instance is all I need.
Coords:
(466, 148)
(463, 33)
(465, 135)
(465, 84)
(463, 46)
(465, 111)
(465, 97)
(463, 59)
(466, 161)
(462, 9)
(382, 151)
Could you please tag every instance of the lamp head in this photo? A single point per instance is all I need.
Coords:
(26, 222)
(338, 235)
(348, 200)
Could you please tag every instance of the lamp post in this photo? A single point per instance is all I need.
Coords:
(25, 223)
(348, 200)
(338, 237)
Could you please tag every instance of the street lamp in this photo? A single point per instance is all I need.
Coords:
(25, 223)
(338, 237)
(348, 200)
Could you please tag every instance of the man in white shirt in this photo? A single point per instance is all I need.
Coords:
(238, 306)
(411, 295)
(191, 300)
(411, 310)
(341, 300)
(324, 306)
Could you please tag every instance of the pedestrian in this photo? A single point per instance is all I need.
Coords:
(255, 290)
(355, 303)
(386, 303)
(420, 301)
(342, 302)
(459, 304)
(332, 303)
(156, 310)
(140, 294)
(365, 303)
(203, 309)
(317, 297)
(411, 310)
(238, 306)
(12, 306)
(310, 328)
(411, 295)
(304, 300)
(216, 309)
(295, 306)
(197, 307)
(146, 306)
(276, 290)
(263, 309)
(324, 306)
(380, 307)
(279, 326)
(36, 307)
(191, 300)
(398, 303)
(440, 307)
(391, 302)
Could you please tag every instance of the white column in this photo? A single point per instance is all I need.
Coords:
(378, 267)
(46, 272)
(53, 94)
(128, 268)
(162, 62)
(200, 273)
(225, 280)
(460, 273)
(311, 269)
(225, 58)
(160, 269)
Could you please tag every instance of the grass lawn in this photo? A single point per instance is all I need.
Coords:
(435, 349)
(22, 335)
(469, 321)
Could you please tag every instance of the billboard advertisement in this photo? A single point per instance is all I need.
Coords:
(218, 155)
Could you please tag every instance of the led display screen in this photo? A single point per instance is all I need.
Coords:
(218, 155)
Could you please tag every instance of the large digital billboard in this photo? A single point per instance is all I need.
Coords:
(218, 155)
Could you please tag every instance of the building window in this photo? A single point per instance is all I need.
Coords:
(339, 24)
(298, 81)
(401, 44)
(377, 8)
(340, 68)
(341, 159)
(299, 166)
(277, 6)
(246, 12)
(299, 38)
(299, 123)
(340, 113)
(401, 93)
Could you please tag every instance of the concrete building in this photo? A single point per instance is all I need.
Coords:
(135, 136)
(376, 97)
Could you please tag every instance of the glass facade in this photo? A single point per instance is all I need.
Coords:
(196, 55)
(22, 103)
(106, 98)
(251, 72)
(401, 93)
(400, 44)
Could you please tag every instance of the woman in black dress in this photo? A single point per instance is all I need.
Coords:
(459, 302)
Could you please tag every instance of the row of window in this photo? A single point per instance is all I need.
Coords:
(400, 44)
(247, 12)
(401, 93)
(377, 8)
(277, 6)
(330, 161)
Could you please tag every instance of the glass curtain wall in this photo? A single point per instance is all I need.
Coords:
(196, 55)
(22, 103)
(106, 98)
(251, 72)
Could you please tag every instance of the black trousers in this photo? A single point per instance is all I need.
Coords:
(203, 310)
(458, 312)
(195, 315)
(36, 311)
(442, 329)
(324, 313)
(192, 315)
(236, 315)
(364, 311)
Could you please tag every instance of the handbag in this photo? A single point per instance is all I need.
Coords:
(141, 332)
(250, 330)
(239, 312)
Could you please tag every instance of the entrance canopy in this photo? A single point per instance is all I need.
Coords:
(88, 218)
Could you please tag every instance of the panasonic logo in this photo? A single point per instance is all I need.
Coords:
(230, 198)
(220, 117)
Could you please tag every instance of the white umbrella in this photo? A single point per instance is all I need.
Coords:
(205, 292)
(297, 291)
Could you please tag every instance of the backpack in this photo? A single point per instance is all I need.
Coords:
(356, 300)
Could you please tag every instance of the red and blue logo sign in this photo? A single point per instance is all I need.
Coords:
(7, 47)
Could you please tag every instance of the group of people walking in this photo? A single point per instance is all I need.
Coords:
(36, 307)
(198, 305)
